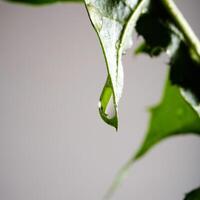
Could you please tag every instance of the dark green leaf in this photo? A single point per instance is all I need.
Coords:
(154, 31)
(194, 195)
(154, 28)
(185, 71)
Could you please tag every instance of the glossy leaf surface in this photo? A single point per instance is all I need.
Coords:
(114, 21)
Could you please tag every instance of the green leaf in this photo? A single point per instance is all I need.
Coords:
(114, 21)
(179, 110)
(161, 34)
(172, 116)
(194, 195)
(41, 2)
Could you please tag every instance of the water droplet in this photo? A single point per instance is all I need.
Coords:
(110, 108)
(108, 111)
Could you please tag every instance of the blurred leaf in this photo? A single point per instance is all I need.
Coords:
(185, 71)
(153, 27)
(172, 116)
(161, 35)
(194, 195)
(114, 21)
(155, 32)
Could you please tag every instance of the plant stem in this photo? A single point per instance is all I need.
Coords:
(182, 25)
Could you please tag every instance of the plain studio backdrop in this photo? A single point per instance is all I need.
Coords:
(53, 144)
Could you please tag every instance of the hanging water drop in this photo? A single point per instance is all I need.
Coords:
(110, 108)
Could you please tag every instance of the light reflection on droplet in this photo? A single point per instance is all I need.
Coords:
(110, 109)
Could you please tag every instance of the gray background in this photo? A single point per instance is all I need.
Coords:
(53, 144)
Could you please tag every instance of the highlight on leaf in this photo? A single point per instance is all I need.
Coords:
(114, 22)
